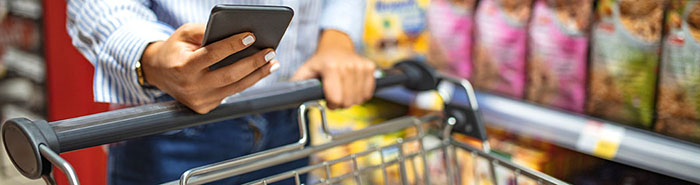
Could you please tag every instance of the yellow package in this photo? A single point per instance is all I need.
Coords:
(395, 30)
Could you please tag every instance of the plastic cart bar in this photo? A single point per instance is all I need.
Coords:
(23, 138)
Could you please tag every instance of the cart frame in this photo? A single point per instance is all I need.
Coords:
(448, 145)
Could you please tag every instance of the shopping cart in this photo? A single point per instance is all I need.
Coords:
(33, 145)
(413, 165)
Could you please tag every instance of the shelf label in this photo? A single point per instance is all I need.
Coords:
(600, 139)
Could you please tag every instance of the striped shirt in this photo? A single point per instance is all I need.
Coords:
(112, 35)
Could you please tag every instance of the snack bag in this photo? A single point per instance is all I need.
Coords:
(395, 30)
(625, 54)
(558, 52)
(500, 43)
(679, 89)
(451, 24)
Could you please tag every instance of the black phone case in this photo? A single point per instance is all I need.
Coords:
(268, 23)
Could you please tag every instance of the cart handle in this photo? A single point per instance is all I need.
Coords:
(23, 137)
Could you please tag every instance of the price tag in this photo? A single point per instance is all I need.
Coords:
(600, 139)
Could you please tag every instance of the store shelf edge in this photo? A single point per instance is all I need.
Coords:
(630, 146)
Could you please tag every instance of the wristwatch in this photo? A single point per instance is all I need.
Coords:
(139, 74)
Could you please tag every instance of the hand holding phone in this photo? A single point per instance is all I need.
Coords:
(200, 67)
(180, 67)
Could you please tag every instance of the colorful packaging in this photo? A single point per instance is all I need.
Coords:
(346, 120)
(679, 88)
(539, 155)
(21, 33)
(395, 30)
(625, 54)
(500, 46)
(558, 53)
(451, 24)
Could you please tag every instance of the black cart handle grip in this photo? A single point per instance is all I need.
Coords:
(23, 137)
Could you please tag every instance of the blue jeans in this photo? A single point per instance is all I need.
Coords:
(164, 157)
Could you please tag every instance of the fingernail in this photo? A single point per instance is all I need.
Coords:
(275, 66)
(269, 56)
(248, 40)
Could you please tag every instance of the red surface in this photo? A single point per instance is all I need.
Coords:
(69, 83)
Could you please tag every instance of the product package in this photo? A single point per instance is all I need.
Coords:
(395, 30)
(355, 118)
(451, 23)
(21, 33)
(500, 46)
(679, 87)
(558, 53)
(538, 154)
(626, 44)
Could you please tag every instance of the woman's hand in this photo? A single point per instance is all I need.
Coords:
(347, 78)
(180, 67)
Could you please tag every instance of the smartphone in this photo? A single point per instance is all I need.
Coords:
(268, 23)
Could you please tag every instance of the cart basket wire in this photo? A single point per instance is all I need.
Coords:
(33, 146)
(435, 134)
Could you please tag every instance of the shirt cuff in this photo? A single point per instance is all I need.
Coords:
(127, 46)
(346, 16)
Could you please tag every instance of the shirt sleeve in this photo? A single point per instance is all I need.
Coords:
(112, 35)
(346, 16)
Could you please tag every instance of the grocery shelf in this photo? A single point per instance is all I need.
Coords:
(25, 8)
(604, 139)
(25, 64)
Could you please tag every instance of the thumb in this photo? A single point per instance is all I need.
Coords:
(305, 72)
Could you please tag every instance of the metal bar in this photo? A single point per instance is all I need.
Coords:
(475, 166)
(446, 137)
(307, 169)
(356, 169)
(424, 155)
(457, 171)
(383, 165)
(448, 165)
(303, 138)
(326, 164)
(402, 162)
(492, 170)
(414, 169)
(49, 180)
(387, 127)
(328, 171)
(509, 165)
(297, 179)
(62, 164)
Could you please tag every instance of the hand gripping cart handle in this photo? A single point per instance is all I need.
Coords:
(34, 145)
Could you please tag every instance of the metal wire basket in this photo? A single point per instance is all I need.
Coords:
(412, 159)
